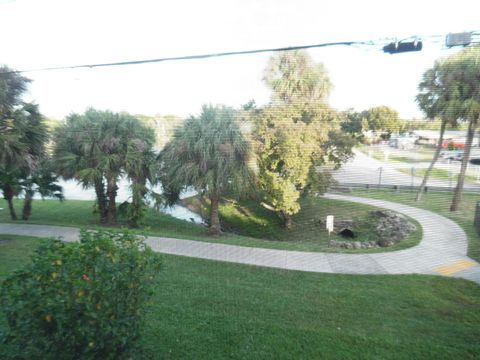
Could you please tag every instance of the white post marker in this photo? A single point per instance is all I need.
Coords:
(329, 224)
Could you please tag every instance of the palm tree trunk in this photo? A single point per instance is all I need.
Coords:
(457, 196)
(27, 205)
(434, 160)
(112, 206)
(8, 195)
(215, 228)
(101, 200)
(136, 207)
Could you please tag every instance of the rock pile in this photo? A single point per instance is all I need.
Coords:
(387, 227)
(391, 227)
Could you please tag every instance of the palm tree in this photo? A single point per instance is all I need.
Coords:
(455, 93)
(42, 181)
(23, 145)
(13, 149)
(97, 149)
(210, 154)
(435, 101)
(296, 80)
(77, 154)
(139, 166)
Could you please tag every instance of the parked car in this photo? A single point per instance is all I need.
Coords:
(453, 144)
(452, 155)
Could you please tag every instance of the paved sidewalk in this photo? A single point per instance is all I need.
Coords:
(442, 251)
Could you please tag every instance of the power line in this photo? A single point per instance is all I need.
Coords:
(433, 38)
(193, 57)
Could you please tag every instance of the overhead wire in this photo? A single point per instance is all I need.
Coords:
(190, 57)
(357, 44)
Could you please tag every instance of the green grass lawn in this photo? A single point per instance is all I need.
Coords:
(249, 218)
(250, 224)
(420, 154)
(438, 202)
(436, 173)
(212, 310)
(409, 159)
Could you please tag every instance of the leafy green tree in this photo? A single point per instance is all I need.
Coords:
(210, 154)
(297, 133)
(355, 122)
(383, 119)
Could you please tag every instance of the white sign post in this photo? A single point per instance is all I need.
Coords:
(329, 224)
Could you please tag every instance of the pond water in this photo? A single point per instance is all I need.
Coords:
(73, 191)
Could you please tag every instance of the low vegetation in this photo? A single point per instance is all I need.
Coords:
(207, 309)
(82, 300)
(440, 174)
(308, 229)
(247, 224)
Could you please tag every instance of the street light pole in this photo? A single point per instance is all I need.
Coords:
(380, 176)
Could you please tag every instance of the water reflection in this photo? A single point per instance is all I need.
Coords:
(73, 191)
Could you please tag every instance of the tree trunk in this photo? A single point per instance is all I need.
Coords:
(287, 220)
(136, 208)
(214, 228)
(434, 160)
(8, 195)
(112, 206)
(101, 201)
(27, 205)
(457, 196)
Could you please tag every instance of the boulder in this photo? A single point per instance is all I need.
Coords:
(391, 227)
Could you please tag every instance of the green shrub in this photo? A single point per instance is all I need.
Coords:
(82, 300)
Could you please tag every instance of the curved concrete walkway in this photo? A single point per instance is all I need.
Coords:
(442, 251)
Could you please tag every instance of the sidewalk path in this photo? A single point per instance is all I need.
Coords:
(442, 251)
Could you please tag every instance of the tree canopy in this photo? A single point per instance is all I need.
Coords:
(23, 136)
(210, 154)
(451, 91)
(97, 148)
(295, 79)
(297, 133)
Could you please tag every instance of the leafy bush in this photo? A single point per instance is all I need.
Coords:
(83, 300)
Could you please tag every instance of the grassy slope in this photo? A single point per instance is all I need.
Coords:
(438, 202)
(212, 310)
(251, 219)
(258, 227)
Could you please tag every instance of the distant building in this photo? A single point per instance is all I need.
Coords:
(403, 142)
(430, 137)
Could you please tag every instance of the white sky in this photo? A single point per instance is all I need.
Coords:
(46, 33)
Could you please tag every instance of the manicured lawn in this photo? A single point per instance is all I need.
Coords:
(212, 310)
(420, 154)
(15, 252)
(441, 174)
(408, 159)
(250, 224)
(249, 218)
(438, 202)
